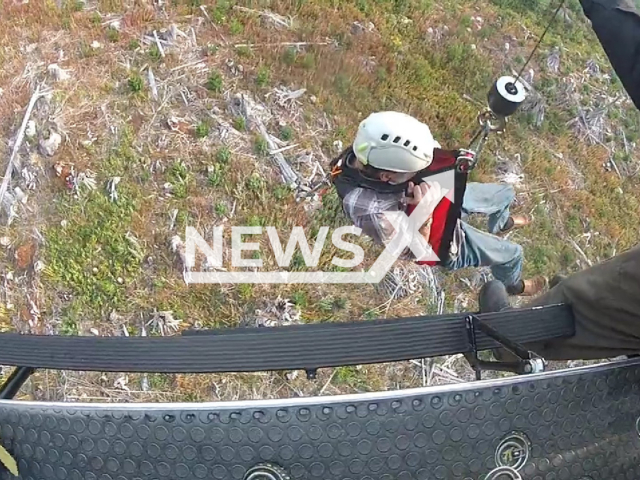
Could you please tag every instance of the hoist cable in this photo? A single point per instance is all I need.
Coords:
(562, 2)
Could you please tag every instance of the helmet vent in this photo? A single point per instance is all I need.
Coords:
(384, 137)
(396, 140)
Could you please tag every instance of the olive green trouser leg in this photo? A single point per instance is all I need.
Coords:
(605, 300)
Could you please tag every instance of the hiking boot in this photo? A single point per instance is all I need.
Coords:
(534, 285)
(528, 287)
(556, 280)
(493, 297)
(516, 221)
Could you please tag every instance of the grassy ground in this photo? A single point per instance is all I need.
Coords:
(80, 262)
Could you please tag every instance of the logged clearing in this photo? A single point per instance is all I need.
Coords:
(151, 116)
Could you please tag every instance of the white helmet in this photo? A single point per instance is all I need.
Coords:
(394, 141)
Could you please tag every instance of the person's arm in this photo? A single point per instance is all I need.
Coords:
(380, 230)
(616, 24)
(376, 225)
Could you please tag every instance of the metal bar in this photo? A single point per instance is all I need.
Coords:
(510, 345)
(512, 367)
(522, 366)
(472, 357)
(18, 377)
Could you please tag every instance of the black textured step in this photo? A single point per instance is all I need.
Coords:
(579, 424)
(308, 346)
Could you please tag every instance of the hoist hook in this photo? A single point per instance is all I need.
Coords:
(497, 123)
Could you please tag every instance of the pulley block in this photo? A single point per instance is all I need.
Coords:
(505, 96)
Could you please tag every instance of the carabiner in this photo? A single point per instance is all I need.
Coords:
(495, 122)
(466, 161)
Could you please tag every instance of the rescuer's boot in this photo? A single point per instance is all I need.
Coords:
(556, 280)
(493, 297)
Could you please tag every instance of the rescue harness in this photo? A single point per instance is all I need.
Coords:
(346, 178)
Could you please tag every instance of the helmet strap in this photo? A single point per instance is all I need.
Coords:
(343, 166)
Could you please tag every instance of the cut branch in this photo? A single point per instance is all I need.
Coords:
(155, 35)
(7, 176)
(283, 44)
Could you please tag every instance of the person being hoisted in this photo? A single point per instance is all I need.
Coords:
(376, 177)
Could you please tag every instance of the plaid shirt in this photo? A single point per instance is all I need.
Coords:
(365, 208)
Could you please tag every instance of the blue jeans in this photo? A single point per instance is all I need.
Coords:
(480, 249)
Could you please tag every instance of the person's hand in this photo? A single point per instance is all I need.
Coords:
(426, 189)
(416, 193)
